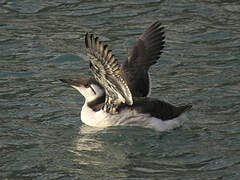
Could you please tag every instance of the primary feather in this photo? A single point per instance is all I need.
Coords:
(106, 71)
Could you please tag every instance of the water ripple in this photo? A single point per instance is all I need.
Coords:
(41, 135)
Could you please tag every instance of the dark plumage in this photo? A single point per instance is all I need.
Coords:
(159, 109)
(127, 86)
(154, 107)
(131, 79)
(145, 53)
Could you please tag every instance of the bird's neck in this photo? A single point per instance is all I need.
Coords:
(97, 103)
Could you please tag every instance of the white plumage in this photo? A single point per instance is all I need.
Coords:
(119, 95)
(128, 117)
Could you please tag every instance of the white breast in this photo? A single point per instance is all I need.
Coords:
(128, 117)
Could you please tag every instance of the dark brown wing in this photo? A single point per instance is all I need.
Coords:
(159, 109)
(106, 71)
(145, 53)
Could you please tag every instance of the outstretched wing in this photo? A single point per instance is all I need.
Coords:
(145, 53)
(106, 71)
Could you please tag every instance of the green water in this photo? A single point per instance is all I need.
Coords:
(41, 134)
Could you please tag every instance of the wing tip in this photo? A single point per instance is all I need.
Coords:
(97, 47)
(90, 40)
(155, 29)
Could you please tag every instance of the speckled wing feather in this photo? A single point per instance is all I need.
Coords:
(145, 53)
(106, 71)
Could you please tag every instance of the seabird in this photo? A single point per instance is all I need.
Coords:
(119, 95)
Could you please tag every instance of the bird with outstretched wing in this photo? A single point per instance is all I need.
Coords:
(131, 79)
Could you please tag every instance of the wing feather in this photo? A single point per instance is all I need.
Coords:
(106, 71)
(145, 53)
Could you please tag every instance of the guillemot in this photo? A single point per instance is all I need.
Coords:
(119, 95)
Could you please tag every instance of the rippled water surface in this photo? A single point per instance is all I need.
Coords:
(41, 134)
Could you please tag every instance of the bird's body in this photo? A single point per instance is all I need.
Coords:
(119, 95)
(128, 117)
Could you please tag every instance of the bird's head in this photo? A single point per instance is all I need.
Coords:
(88, 87)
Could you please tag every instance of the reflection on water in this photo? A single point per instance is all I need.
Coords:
(41, 135)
